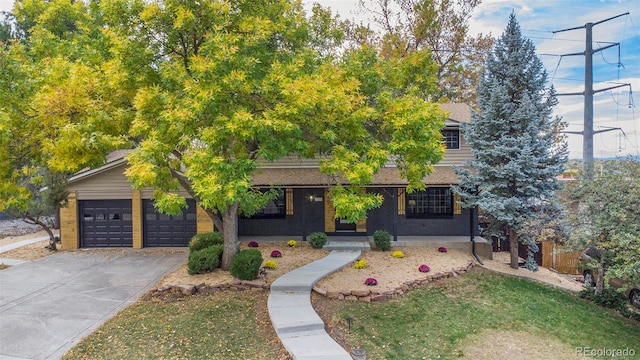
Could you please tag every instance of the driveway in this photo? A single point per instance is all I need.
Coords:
(48, 305)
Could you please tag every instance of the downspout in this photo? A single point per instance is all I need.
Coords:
(471, 234)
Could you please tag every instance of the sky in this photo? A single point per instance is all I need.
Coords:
(619, 108)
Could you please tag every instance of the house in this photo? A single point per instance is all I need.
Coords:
(103, 210)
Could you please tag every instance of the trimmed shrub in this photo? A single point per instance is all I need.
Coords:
(397, 254)
(204, 260)
(276, 253)
(201, 241)
(245, 264)
(371, 282)
(360, 264)
(271, 264)
(292, 243)
(317, 240)
(382, 239)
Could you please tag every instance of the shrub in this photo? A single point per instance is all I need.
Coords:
(204, 260)
(276, 253)
(201, 241)
(292, 243)
(252, 244)
(270, 264)
(442, 249)
(371, 282)
(397, 254)
(245, 264)
(424, 268)
(382, 239)
(609, 298)
(360, 264)
(317, 240)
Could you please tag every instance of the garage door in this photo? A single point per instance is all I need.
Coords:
(168, 230)
(105, 223)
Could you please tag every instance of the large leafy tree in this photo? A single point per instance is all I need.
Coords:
(515, 140)
(438, 26)
(234, 83)
(204, 90)
(38, 105)
(603, 212)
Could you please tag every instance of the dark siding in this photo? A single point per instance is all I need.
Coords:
(309, 218)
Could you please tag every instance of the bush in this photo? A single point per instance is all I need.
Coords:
(292, 243)
(252, 244)
(270, 264)
(245, 264)
(609, 298)
(360, 264)
(317, 240)
(424, 268)
(204, 260)
(382, 239)
(201, 241)
(371, 282)
(276, 253)
(397, 254)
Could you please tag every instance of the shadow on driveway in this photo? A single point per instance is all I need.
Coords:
(48, 305)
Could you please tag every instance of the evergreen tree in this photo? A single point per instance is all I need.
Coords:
(517, 149)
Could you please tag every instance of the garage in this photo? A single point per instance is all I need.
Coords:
(105, 223)
(162, 230)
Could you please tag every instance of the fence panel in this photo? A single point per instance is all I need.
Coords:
(565, 262)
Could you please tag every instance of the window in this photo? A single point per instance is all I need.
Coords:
(451, 138)
(275, 209)
(431, 203)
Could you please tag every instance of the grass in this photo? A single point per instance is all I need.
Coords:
(433, 322)
(224, 325)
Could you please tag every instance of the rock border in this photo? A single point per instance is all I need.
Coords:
(260, 284)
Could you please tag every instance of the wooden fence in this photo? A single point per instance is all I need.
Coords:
(563, 262)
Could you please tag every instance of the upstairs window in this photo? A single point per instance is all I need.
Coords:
(451, 138)
(434, 202)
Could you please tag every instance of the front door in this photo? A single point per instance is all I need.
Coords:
(343, 226)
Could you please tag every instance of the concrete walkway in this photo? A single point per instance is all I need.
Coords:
(300, 329)
(19, 244)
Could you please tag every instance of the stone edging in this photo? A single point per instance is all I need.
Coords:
(372, 295)
(260, 284)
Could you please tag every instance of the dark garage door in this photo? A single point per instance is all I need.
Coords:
(168, 230)
(105, 223)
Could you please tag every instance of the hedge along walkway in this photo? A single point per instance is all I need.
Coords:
(297, 324)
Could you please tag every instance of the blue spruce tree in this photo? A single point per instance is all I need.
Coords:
(516, 142)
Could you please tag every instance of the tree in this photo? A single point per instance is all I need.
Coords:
(242, 82)
(603, 213)
(49, 108)
(517, 149)
(439, 26)
(203, 90)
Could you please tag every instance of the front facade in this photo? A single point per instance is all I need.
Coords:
(104, 211)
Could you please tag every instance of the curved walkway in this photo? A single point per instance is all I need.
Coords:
(300, 329)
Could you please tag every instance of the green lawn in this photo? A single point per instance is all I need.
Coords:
(438, 321)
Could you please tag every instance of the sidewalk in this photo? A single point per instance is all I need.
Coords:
(300, 329)
(16, 245)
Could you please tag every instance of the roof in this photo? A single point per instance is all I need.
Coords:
(458, 112)
(307, 169)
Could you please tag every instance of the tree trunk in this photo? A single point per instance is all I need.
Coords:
(600, 278)
(36, 221)
(230, 234)
(513, 248)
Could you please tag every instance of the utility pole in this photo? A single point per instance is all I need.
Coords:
(587, 142)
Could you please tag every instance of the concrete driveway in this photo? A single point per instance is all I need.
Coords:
(48, 305)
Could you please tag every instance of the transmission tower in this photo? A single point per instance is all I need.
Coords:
(587, 144)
